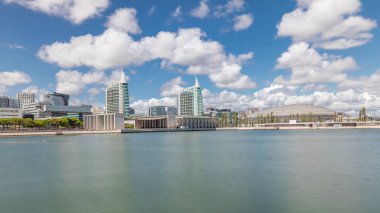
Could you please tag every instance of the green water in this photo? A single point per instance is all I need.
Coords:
(220, 171)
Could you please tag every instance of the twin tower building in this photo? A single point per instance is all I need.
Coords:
(189, 100)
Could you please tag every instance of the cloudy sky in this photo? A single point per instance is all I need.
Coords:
(245, 53)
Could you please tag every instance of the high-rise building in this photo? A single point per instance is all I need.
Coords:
(117, 97)
(162, 110)
(6, 102)
(57, 99)
(25, 98)
(189, 101)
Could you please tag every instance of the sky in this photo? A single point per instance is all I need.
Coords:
(245, 53)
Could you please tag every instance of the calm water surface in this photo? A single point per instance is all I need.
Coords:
(223, 171)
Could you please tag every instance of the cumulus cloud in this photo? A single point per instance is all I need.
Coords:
(73, 82)
(202, 10)
(232, 6)
(363, 84)
(186, 48)
(308, 66)
(172, 87)
(327, 24)
(76, 11)
(38, 92)
(12, 78)
(124, 20)
(243, 22)
(141, 106)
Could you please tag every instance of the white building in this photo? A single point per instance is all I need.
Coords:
(46, 111)
(10, 113)
(117, 97)
(190, 101)
(111, 121)
(25, 98)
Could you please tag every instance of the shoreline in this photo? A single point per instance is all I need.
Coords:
(130, 131)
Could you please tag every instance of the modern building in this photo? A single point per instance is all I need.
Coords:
(111, 121)
(57, 99)
(48, 110)
(117, 97)
(156, 122)
(25, 98)
(10, 113)
(195, 122)
(131, 111)
(294, 113)
(6, 102)
(189, 101)
(175, 122)
(162, 110)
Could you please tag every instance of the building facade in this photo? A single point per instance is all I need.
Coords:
(47, 110)
(6, 102)
(190, 101)
(162, 110)
(111, 121)
(25, 98)
(57, 99)
(117, 97)
(10, 113)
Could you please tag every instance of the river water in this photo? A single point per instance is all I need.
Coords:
(217, 171)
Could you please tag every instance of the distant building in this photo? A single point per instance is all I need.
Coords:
(111, 121)
(294, 113)
(57, 99)
(190, 101)
(25, 98)
(117, 97)
(6, 102)
(175, 122)
(10, 113)
(47, 110)
(162, 110)
(131, 111)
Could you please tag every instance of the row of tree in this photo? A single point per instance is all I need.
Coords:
(28, 123)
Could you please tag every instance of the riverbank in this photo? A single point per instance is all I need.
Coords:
(297, 128)
(127, 131)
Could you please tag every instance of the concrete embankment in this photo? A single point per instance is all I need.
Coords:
(297, 128)
(53, 133)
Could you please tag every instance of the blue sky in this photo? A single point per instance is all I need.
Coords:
(245, 53)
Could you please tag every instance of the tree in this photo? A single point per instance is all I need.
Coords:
(64, 122)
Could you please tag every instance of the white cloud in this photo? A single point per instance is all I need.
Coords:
(73, 82)
(363, 84)
(152, 10)
(17, 46)
(243, 22)
(39, 93)
(124, 20)
(202, 10)
(327, 24)
(76, 11)
(12, 78)
(232, 6)
(141, 106)
(177, 14)
(185, 48)
(308, 66)
(172, 87)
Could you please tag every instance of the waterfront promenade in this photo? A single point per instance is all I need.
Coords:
(128, 131)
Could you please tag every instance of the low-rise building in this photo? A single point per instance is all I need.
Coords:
(195, 122)
(46, 110)
(156, 122)
(109, 121)
(162, 110)
(10, 113)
